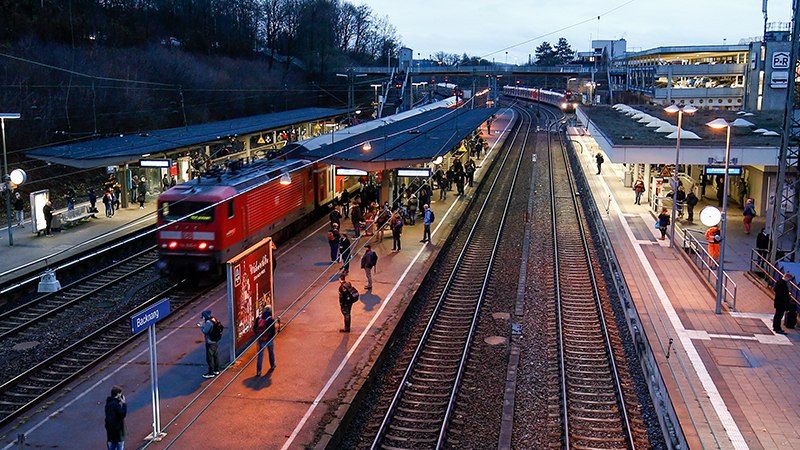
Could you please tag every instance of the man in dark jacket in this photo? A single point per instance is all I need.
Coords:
(116, 410)
(48, 217)
(212, 346)
(783, 301)
(691, 202)
(356, 216)
(368, 261)
(19, 205)
(344, 199)
(346, 301)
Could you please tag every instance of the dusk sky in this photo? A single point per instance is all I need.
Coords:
(485, 28)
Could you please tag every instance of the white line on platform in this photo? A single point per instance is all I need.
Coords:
(734, 434)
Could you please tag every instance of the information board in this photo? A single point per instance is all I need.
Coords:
(720, 170)
(249, 290)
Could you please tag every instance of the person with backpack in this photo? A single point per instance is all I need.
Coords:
(368, 262)
(212, 329)
(347, 296)
(427, 220)
(265, 329)
(333, 241)
(600, 160)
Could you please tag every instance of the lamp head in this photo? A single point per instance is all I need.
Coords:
(286, 179)
(718, 124)
(367, 146)
(672, 109)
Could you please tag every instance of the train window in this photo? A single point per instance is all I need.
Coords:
(231, 211)
(193, 211)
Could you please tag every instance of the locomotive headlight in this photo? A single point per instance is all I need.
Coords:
(202, 245)
(564, 105)
(173, 245)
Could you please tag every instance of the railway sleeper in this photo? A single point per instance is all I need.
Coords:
(419, 403)
(408, 439)
(413, 391)
(415, 420)
(18, 394)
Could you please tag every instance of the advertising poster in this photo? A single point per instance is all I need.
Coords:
(37, 202)
(249, 290)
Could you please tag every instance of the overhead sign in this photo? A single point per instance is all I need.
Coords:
(249, 290)
(423, 173)
(345, 172)
(720, 170)
(157, 163)
(780, 60)
(149, 316)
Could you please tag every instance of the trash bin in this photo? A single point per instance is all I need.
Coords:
(628, 179)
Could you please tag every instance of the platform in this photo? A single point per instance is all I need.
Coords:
(730, 378)
(318, 367)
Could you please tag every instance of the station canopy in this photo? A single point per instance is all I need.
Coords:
(413, 140)
(132, 147)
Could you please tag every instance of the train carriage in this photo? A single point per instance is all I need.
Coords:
(567, 101)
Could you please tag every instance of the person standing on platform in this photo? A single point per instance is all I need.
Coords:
(142, 190)
(413, 203)
(469, 170)
(92, 201)
(116, 410)
(347, 296)
(173, 181)
(713, 236)
(265, 330)
(133, 186)
(344, 252)
(345, 201)
(427, 220)
(19, 207)
(335, 216)
(333, 241)
(442, 184)
(356, 216)
(638, 188)
(70, 199)
(749, 214)
(108, 203)
(762, 242)
(691, 202)
(212, 329)
(600, 160)
(48, 217)
(783, 301)
(397, 229)
(381, 217)
(368, 262)
(663, 223)
(116, 196)
(450, 176)
(680, 196)
(165, 183)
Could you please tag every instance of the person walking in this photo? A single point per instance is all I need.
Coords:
(713, 236)
(344, 199)
(344, 252)
(142, 190)
(427, 220)
(397, 229)
(691, 202)
(663, 223)
(333, 241)
(265, 329)
(116, 410)
(680, 196)
(19, 207)
(638, 188)
(783, 301)
(212, 329)
(47, 210)
(108, 203)
(600, 160)
(347, 296)
(368, 262)
(749, 214)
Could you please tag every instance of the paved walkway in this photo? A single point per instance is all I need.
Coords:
(730, 378)
(318, 369)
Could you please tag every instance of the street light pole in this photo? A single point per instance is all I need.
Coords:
(676, 109)
(6, 176)
(722, 123)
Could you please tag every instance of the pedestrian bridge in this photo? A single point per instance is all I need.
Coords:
(488, 70)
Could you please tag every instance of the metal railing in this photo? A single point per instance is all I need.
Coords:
(698, 253)
(762, 268)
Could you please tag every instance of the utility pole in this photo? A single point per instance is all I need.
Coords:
(351, 84)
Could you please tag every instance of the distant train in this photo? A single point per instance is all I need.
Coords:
(567, 101)
(448, 90)
(214, 217)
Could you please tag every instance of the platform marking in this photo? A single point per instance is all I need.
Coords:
(724, 415)
(367, 330)
(129, 362)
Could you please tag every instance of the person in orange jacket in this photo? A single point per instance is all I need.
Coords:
(713, 237)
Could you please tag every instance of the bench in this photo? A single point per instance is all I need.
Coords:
(74, 216)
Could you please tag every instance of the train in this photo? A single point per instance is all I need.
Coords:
(208, 220)
(448, 90)
(567, 101)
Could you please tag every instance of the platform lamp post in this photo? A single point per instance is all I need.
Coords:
(6, 175)
(672, 109)
(719, 124)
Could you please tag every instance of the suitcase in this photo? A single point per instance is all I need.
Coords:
(790, 319)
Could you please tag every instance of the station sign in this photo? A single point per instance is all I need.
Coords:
(156, 163)
(149, 316)
(345, 172)
(421, 173)
(720, 170)
(780, 60)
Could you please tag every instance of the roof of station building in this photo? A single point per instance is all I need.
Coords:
(132, 147)
(675, 52)
(413, 140)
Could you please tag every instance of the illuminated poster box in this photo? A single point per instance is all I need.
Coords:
(249, 291)
(421, 173)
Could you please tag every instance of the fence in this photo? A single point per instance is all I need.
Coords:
(762, 268)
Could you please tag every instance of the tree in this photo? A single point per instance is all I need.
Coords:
(546, 55)
(564, 53)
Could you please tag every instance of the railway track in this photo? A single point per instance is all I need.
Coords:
(593, 412)
(29, 388)
(420, 409)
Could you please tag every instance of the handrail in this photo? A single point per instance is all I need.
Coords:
(708, 266)
(760, 265)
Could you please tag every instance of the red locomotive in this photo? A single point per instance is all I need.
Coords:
(212, 218)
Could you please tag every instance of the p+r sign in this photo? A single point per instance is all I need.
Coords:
(149, 316)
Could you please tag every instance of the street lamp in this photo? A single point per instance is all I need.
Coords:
(6, 177)
(672, 109)
(719, 124)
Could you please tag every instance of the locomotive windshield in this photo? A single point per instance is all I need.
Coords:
(196, 211)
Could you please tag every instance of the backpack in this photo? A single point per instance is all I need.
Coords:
(216, 330)
(354, 294)
(433, 216)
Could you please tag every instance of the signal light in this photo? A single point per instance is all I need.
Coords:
(173, 245)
